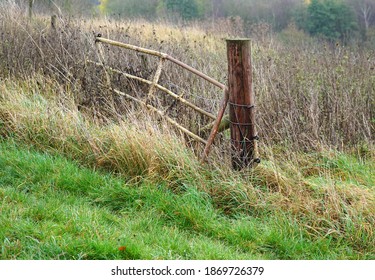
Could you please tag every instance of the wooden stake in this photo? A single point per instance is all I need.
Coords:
(31, 2)
(101, 57)
(241, 104)
(53, 22)
(224, 125)
(215, 127)
(156, 79)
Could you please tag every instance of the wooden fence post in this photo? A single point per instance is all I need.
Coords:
(53, 22)
(241, 104)
(31, 2)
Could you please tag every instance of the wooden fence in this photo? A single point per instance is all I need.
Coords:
(239, 94)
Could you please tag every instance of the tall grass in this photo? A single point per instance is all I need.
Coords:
(327, 193)
(64, 211)
(310, 97)
(308, 93)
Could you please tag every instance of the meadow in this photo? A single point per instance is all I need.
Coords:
(86, 174)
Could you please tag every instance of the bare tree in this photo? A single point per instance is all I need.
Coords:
(366, 13)
(217, 8)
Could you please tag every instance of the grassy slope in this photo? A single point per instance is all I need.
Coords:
(53, 209)
(294, 205)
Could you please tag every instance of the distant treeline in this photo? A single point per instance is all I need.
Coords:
(330, 19)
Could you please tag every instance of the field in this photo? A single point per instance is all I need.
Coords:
(86, 174)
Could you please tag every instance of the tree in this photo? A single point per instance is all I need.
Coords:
(64, 6)
(330, 19)
(366, 14)
(132, 8)
(187, 9)
(365, 10)
(103, 6)
(278, 13)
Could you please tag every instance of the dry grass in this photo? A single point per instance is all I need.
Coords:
(309, 94)
(309, 98)
(324, 196)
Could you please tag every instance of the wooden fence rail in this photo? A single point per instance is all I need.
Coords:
(239, 93)
(167, 91)
(162, 55)
(161, 113)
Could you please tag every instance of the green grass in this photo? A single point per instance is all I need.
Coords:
(80, 182)
(51, 208)
(150, 194)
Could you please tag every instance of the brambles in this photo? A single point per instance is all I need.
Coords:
(308, 95)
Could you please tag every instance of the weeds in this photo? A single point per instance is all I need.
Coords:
(324, 193)
(309, 97)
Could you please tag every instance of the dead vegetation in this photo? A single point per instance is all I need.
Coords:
(310, 97)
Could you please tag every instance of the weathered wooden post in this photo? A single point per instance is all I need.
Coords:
(241, 104)
(53, 22)
(31, 2)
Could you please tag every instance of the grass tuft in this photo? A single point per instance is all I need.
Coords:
(315, 206)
